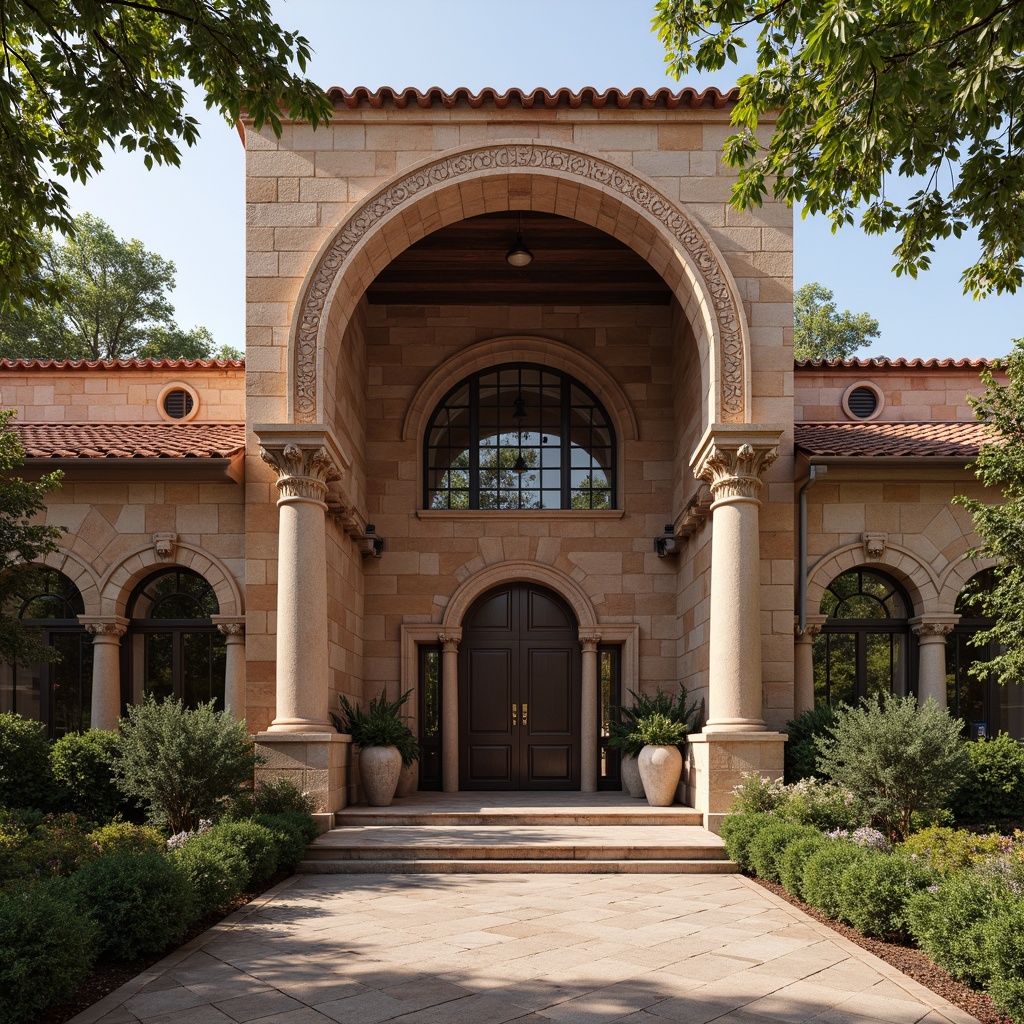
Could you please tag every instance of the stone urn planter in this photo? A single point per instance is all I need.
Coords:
(379, 769)
(630, 773)
(660, 769)
(408, 779)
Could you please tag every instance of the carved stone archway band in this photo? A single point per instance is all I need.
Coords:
(501, 158)
(735, 472)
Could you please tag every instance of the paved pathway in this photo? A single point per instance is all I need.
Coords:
(470, 949)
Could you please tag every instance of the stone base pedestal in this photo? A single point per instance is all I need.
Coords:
(319, 763)
(715, 763)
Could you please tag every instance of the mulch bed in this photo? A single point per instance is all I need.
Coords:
(912, 962)
(105, 978)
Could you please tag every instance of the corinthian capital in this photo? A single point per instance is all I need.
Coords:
(306, 459)
(733, 461)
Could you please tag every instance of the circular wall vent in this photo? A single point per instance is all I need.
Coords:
(863, 401)
(178, 402)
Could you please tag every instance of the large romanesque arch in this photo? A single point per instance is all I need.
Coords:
(520, 176)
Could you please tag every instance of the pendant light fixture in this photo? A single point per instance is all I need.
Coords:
(519, 255)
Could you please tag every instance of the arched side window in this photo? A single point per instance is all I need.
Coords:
(174, 648)
(57, 693)
(985, 707)
(864, 648)
(519, 436)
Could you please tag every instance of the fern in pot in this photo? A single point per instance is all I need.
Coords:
(660, 761)
(381, 736)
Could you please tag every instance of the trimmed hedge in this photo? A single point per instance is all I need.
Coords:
(770, 844)
(794, 859)
(25, 778)
(739, 831)
(875, 889)
(294, 831)
(823, 874)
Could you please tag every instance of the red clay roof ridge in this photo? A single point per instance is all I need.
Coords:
(901, 363)
(121, 364)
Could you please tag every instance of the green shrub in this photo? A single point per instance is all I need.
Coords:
(896, 758)
(257, 845)
(770, 843)
(82, 764)
(25, 779)
(625, 718)
(58, 846)
(801, 750)
(216, 870)
(271, 796)
(125, 837)
(738, 832)
(874, 891)
(794, 857)
(659, 730)
(380, 725)
(948, 922)
(946, 850)
(143, 902)
(758, 794)
(47, 947)
(13, 839)
(294, 831)
(188, 764)
(1003, 950)
(823, 874)
(993, 785)
(825, 805)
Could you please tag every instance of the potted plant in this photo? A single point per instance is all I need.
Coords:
(408, 778)
(660, 761)
(379, 732)
(623, 737)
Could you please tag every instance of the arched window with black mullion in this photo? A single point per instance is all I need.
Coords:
(864, 647)
(174, 649)
(517, 437)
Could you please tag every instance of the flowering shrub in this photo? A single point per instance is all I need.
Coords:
(867, 837)
(947, 850)
(124, 837)
(757, 794)
(810, 801)
(179, 839)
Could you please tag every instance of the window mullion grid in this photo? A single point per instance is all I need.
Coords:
(474, 444)
(566, 423)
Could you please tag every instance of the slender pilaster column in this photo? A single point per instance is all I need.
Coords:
(450, 710)
(931, 633)
(106, 630)
(732, 462)
(234, 663)
(588, 711)
(803, 664)
(306, 464)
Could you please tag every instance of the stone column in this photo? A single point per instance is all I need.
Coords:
(307, 462)
(450, 710)
(106, 631)
(233, 629)
(931, 632)
(803, 664)
(732, 463)
(588, 711)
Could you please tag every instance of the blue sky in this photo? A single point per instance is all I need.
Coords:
(194, 215)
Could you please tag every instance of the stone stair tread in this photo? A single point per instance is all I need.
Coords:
(521, 835)
(370, 816)
(492, 866)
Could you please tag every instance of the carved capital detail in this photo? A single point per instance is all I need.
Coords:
(924, 629)
(117, 629)
(810, 630)
(589, 642)
(231, 628)
(304, 470)
(725, 306)
(735, 472)
(449, 641)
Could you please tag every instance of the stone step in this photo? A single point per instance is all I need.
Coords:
(512, 851)
(518, 867)
(362, 815)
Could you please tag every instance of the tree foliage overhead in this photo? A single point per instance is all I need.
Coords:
(870, 88)
(1000, 465)
(23, 539)
(77, 76)
(822, 332)
(111, 302)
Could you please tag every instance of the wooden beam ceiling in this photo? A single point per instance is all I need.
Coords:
(573, 265)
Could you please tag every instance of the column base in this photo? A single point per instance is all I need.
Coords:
(736, 725)
(300, 725)
(318, 763)
(715, 763)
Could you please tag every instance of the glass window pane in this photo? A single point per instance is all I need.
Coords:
(157, 665)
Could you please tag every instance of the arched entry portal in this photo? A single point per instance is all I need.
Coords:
(519, 692)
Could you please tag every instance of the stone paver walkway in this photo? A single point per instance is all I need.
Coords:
(471, 949)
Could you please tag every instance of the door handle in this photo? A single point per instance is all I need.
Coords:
(515, 715)
(525, 709)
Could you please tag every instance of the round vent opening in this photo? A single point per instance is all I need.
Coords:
(178, 404)
(863, 401)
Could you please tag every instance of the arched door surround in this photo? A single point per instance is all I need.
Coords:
(519, 692)
(529, 176)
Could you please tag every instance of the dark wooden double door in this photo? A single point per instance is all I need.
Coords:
(519, 692)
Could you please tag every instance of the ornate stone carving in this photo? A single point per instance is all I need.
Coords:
(810, 630)
(874, 545)
(589, 642)
(449, 641)
(942, 629)
(305, 470)
(231, 628)
(117, 629)
(163, 545)
(498, 158)
(736, 472)
(695, 513)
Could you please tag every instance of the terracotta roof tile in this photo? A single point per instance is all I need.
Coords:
(667, 99)
(121, 364)
(878, 439)
(131, 440)
(893, 364)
